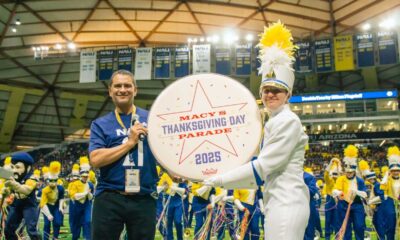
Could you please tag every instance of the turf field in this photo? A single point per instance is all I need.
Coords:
(65, 233)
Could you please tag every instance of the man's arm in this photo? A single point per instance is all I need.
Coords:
(104, 156)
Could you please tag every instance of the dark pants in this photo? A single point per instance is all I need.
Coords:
(16, 213)
(111, 211)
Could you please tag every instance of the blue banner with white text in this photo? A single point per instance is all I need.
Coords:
(106, 64)
(125, 59)
(323, 55)
(365, 50)
(181, 62)
(387, 47)
(223, 61)
(162, 63)
(243, 59)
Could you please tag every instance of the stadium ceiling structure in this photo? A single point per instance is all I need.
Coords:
(42, 101)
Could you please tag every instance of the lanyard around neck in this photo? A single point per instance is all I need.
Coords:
(119, 120)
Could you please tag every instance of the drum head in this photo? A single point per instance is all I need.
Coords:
(204, 124)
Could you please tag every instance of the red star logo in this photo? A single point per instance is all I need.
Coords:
(202, 103)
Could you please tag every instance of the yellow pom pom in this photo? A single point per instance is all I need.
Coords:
(351, 151)
(363, 165)
(277, 34)
(393, 151)
(55, 167)
(45, 170)
(7, 161)
(308, 170)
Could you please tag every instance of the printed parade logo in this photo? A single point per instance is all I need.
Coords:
(204, 124)
(195, 125)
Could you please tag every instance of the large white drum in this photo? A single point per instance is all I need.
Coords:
(204, 124)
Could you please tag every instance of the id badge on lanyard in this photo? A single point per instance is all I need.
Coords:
(132, 180)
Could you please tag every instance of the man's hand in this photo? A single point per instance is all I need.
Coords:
(134, 133)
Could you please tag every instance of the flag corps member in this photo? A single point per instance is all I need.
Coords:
(281, 159)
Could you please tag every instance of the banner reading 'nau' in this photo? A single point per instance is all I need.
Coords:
(106, 64)
(387, 48)
(303, 57)
(87, 73)
(143, 63)
(344, 57)
(181, 62)
(243, 59)
(162, 63)
(125, 59)
(323, 55)
(201, 58)
(365, 50)
(223, 61)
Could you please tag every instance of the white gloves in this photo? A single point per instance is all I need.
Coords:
(361, 194)
(175, 189)
(337, 193)
(261, 205)
(239, 205)
(160, 188)
(203, 191)
(316, 197)
(212, 200)
(80, 196)
(45, 210)
(374, 200)
(228, 199)
(238, 178)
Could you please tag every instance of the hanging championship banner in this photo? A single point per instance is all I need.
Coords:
(303, 57)
(162, 63)
(201, 58)
(125, 59)
(203, 125)
(365, 50)
(223, 61)
(387, 48)
(143, 63)
(257, 64)
(106, 64)
(344, 58)
(87, 73)
(323, 55)
(181, 62)
(243, 59)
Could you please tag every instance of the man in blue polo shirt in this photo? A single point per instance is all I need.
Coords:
(126, 190)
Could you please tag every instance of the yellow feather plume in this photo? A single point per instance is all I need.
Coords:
(277, 34)
(351, 151)
(363, 165)
(75, 167)
(83, 160)
(7, 161)
(393, 151)
(45, 170)
(92, 176)
(55, 167)
(36, 173)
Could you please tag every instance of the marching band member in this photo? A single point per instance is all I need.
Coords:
(390, 184)
(176, 190)
(248, 200)
(311, 183)
(52, 194)
(281, 159)
(202, 197)
(24, 205)
(351, 189)
(376, 197)
(81, 194)
(331, 173)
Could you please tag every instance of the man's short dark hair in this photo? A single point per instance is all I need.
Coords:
(122, 72)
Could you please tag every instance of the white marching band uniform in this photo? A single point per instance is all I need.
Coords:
(279, 164)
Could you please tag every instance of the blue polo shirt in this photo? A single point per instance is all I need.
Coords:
(106, 132)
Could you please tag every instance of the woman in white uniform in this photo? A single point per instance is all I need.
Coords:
(280, 162)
